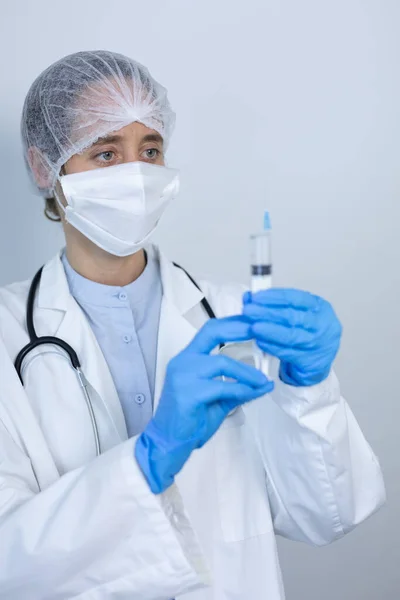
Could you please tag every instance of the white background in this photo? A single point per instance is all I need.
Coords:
(287, 105)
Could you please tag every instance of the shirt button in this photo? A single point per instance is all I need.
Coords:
(139, 398)
(122, 296)
(127, 339)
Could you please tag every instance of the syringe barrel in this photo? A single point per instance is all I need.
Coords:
(260, 261)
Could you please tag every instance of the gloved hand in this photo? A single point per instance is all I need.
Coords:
(300, 329)
(195, 401)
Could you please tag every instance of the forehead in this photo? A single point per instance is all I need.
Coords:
(136, 132)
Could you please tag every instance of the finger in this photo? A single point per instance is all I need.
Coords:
(247, 297)
(286, 298)
(286, 337)
(224, 407)
(284, 353)
(218, 331)
(237, 393)
(313, 362)
(224, 366)
(289, 317)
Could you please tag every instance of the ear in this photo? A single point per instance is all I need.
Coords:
(39, 167)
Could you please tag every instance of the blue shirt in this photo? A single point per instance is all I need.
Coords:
(125, 322)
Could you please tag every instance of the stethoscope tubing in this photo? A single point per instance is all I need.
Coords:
(36, 341)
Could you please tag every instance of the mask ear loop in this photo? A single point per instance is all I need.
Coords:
(57, 197)
(60, 204)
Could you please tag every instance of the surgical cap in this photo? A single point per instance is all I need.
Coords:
(81, 98)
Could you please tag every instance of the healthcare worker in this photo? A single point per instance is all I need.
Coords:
(136, 462)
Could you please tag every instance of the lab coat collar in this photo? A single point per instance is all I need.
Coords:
(178, 290)
(54, 291)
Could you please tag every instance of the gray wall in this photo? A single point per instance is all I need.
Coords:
(281, 104)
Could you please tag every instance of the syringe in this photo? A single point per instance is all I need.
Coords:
(261, 277)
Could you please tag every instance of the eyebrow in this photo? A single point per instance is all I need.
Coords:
(153, 137)
(112, 139)
(109, 139)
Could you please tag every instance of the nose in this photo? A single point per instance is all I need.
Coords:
(130, 154)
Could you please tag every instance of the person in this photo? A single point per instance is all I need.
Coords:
(137, 460)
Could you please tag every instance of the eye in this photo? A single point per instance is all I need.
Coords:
(105, 156)
(151, 153)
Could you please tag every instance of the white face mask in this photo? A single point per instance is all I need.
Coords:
(118, 208)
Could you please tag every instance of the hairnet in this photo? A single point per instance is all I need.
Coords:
(81, 98)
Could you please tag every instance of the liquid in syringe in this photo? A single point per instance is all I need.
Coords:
(261, 276)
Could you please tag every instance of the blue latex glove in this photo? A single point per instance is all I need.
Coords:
(300, 329)
(195, 401)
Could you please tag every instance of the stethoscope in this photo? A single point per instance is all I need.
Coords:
(36, 341)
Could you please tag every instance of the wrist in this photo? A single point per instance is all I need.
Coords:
(293, 376)
(151, 466)
(161, 459)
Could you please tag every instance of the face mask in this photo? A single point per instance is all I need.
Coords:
(118, 208)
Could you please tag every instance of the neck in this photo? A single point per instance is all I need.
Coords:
(93, 263)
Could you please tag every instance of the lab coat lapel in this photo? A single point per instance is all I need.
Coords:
(59, 315)
(175, 329)
(174, 333)
(73, 327)
(76, 328)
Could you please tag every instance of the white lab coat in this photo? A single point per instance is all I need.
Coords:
(75, 526)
